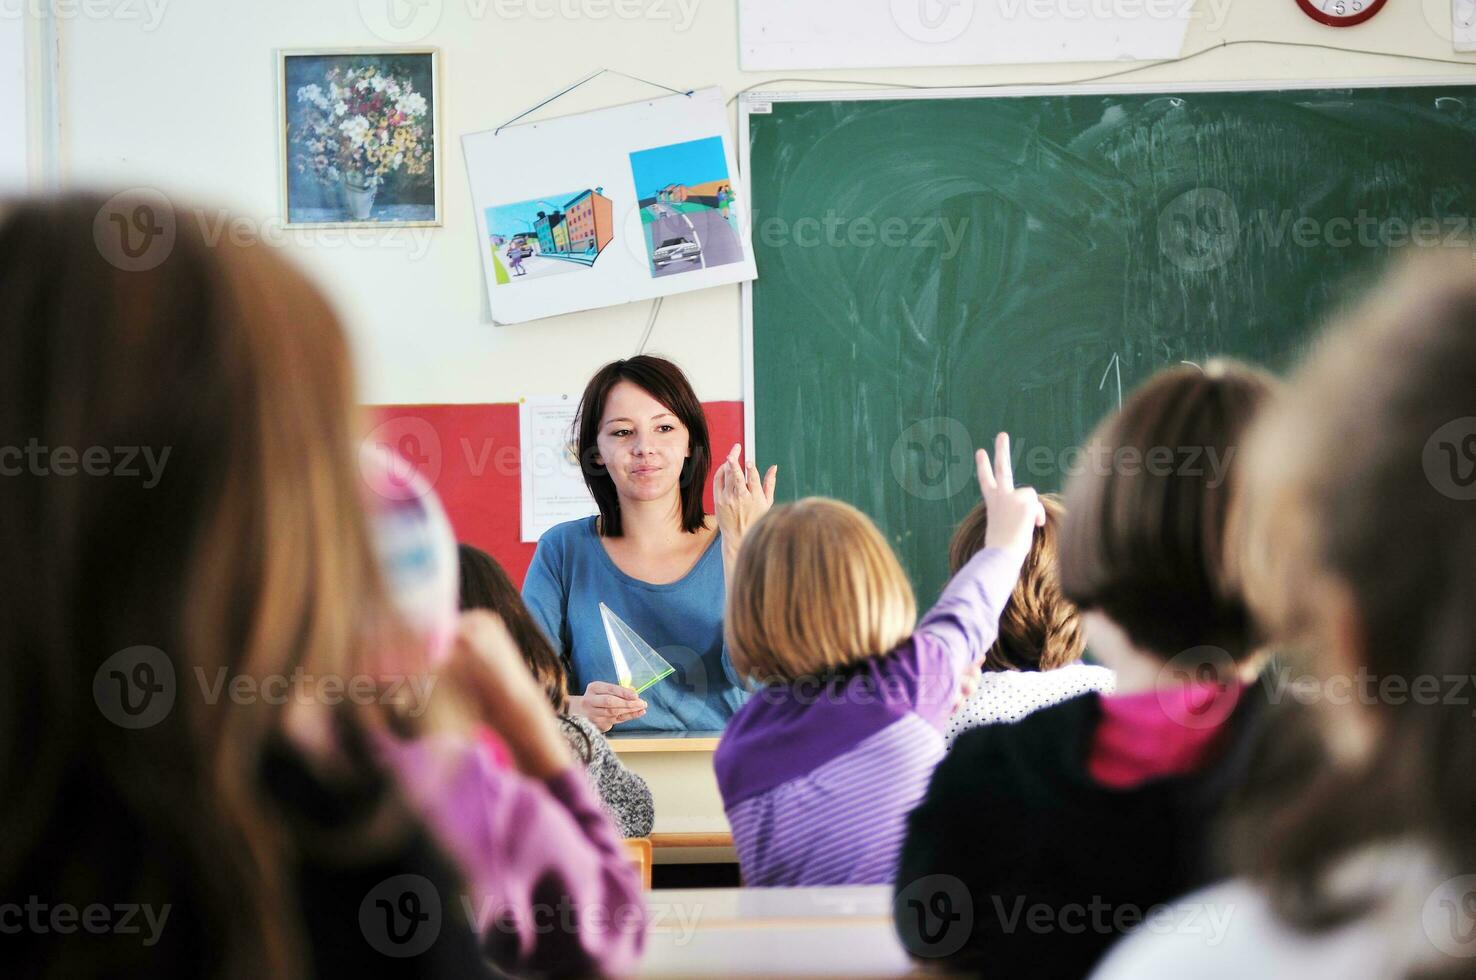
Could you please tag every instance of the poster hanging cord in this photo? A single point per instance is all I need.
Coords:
(584, 81)
(650, 325)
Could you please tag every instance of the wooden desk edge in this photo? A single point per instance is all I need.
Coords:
(625, 745)
(660, 840)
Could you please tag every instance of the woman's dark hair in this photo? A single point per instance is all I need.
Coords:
(1038, 629)
(1143, 540)
(484, 585)
(666, 383)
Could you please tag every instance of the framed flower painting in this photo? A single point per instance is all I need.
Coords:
(360, 142)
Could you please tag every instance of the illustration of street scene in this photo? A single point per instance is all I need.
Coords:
(686, 207)
(549, 236)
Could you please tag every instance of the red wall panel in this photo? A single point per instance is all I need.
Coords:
(470, 454)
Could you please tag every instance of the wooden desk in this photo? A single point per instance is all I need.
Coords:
(790, 932)
(691, 827)
(637, 742)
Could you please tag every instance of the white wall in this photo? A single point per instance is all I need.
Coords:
(181, 96)
(14, 137)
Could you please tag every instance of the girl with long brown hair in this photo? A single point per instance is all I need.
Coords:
(191, 700)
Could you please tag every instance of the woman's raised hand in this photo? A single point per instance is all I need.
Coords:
(741, 498)
(1014, 512)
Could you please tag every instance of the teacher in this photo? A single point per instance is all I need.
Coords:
(652, 555)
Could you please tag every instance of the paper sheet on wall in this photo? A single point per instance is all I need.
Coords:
(608, 207)
(781, 35)
(552, 485)
(1463, 24)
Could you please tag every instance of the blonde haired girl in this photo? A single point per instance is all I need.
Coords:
(820, 768)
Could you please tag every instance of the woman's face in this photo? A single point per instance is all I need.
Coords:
(641, 443)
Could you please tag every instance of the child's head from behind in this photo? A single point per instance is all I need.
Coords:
(816, 589)
(1358, 521)
(1039, 629)
(243, 551)
(229, 360)
(1143, 540)
(1360, 517)
(484, 585)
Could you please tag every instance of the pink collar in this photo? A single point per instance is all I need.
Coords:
(1170, 731)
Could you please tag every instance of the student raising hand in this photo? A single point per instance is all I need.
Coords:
(490, 671)
(1014, 512)
(818, 592)
(487, 669)
(519, 836)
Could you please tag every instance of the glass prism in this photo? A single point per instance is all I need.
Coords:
(637, 665)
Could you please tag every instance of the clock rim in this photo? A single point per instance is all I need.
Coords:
(1329, 20)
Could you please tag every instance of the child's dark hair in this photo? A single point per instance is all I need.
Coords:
(1144, 536)
(484, 585)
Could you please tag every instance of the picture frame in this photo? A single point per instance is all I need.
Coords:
(359, 137)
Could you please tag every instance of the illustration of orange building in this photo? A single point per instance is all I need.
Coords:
(710, 193)
(590, 221)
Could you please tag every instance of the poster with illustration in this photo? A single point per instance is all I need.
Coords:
(608, 207)
(686, 199)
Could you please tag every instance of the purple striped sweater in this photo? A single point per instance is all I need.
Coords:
(818, 776)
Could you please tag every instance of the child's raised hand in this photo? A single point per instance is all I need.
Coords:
(1014, 512)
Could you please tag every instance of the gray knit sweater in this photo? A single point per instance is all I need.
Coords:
(625, 795)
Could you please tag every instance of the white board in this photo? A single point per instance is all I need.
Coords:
(782, 35)
(608, 207)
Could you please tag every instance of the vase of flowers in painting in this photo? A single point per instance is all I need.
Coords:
(358, 195)
(357, 128)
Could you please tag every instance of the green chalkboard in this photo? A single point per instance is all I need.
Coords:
(934, 270)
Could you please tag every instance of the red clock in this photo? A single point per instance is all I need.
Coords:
(1341, 13)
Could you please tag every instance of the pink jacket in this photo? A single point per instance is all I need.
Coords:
(548, 883)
